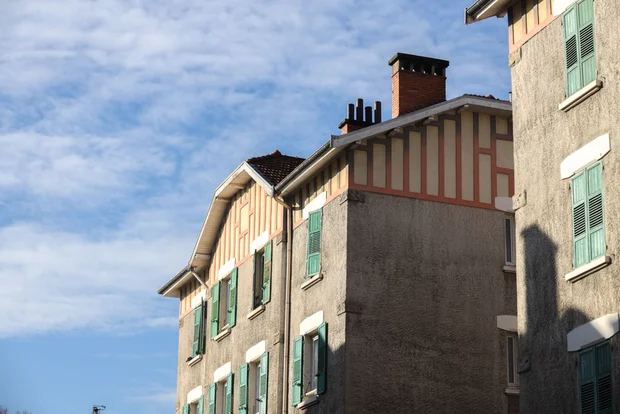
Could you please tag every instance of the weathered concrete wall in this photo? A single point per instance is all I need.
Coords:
(328, 295)
(550, 307)
(246, 333)
(425, 286)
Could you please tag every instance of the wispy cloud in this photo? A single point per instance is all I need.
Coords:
(118, 118)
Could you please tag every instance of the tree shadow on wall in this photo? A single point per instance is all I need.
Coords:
(548, 372)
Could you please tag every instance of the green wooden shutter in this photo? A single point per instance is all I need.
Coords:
(243, 389)
(314, 243)
(229, 394)
(215, 309)
(212, 400)
(322, 362)
(604, 386)
(255, 294)
(267, 274)
(201, 405)
(264, 382)
(587, 377)
(580, 232)
(587, 58)
(571, 51)
(186, 409)
(298, 366)
(197, 331)
(232, 306)
(596, 215)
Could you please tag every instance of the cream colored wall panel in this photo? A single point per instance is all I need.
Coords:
(378, 165)
(517, 27)
(415, 162)
(501, 125)
(503, 185)
(360, 168)
(244, 217)
(531, 18)
(333, 180)
(432, 160)
(467, 156)
(484, 131)
(505, 154)
(542, 10)
(397, 164)
(485, 179)
(449, 159)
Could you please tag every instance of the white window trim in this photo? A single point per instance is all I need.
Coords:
(587, 269)
(513, 241)
(259, 242)
(507, 323)
(581, 95)
(221, 374)
(314, 205)
(194, 395)
(226, 269)
(253, 354)
(584, 156)
(515, 365)
(311, 323)
(593, 332)
(504, 204)
(198, 299)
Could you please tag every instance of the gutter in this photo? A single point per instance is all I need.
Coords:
(293, 174)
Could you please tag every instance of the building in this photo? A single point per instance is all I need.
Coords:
(564, 57)
(377, 275)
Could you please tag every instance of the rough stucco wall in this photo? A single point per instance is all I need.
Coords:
(327, 295)
(550, 307)
(426, 333)
(244, 335)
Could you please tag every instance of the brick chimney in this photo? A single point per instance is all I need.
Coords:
(417, 82)
(359, 117)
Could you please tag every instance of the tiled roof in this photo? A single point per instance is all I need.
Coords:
(275, 166)
(487, 97)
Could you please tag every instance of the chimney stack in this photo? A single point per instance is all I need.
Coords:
(359, 117)
(417, 82)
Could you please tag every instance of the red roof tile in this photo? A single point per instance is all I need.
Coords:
(275, 166)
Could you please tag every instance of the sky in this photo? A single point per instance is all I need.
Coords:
(118, 118)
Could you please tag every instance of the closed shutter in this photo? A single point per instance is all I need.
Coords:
(232, 306)
(314, 243)
(229, 394)
(322, 360)
(298, 357)
(587, 58)
(580, 239)
(212, 401)
(264, 382)
(197, 330)
(587, 385)
(603, 379)
(243, 389)
(267, 274)
(201, 405)
(596, 217)
(571, 51)
(215, 309)
(186, 409)
(255, 294)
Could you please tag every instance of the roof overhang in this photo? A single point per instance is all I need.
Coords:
(201, 255)
(484, 9)
(474, 103)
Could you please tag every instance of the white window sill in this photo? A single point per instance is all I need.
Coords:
(588, 269)
(581, 95)
(194, 360)
(256, 312)
(509, 268)
(312, 281)
(512, 391)
(311, 399)
(225, 332)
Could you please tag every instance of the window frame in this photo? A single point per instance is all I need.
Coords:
(259, 276)
(509, 223)
(514, 363)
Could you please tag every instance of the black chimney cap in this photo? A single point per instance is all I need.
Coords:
(438, 63)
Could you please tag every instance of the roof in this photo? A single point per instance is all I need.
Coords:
(275, 167)
(488, 104)
(483, 9)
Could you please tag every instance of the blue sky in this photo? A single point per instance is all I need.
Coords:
(118, 118)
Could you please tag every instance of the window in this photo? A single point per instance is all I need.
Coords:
(253, 384)
(579, 46)
(513, 354)
(509, 230)
(224, 304)
(262, 276)
(199, 339)
(221, 396)
(195, 408)
(588, 215)
(595, 380)
(313, 262)
(310, 365)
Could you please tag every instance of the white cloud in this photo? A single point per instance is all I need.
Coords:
(119, 117)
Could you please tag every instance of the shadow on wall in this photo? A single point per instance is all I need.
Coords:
(543, 347)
